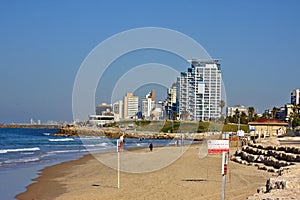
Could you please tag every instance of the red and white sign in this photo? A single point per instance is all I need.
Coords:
(217, 146)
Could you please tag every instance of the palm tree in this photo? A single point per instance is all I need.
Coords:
(222, 105)
(237, 113)
(184, 115)
(243, 118)
(175, 115)
(274, 111)
(250, 113)
(294, 115)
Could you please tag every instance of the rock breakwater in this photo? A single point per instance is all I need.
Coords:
(116, 133)
(282, 161)
(285, 186)
(271, 158)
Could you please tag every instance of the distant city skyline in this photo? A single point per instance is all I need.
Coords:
(43, 44)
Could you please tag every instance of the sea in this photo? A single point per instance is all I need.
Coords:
(24, 152)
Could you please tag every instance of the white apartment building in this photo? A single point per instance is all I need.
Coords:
(148, 104)
(131, 105)
(118, 109)
(295, 97)
(199, 90)
(232, 110)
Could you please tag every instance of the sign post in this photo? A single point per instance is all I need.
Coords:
(217, 146)
(118, 150)
(224, 172)
(220, 147)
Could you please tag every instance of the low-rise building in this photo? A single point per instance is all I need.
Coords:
(281, 114)
(101, 119)
(267, 128)
(232, 110)
(285, 113)
(103, 109)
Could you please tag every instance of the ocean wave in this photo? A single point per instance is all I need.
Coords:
(27, 153)
(19, 150)
(47, 134)
(66, 151)
(61, 140)
(21, 160)
(103, 144)
(93, 138)
(63, 151)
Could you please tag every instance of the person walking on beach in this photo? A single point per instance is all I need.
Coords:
(122, 141)
(151, 146)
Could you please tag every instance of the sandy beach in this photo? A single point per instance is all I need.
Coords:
(189, 177)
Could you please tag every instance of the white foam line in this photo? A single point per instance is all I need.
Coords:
(18, 150)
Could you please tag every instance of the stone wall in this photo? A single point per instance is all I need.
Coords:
(271, 158)
(283, 161)
(285, 186)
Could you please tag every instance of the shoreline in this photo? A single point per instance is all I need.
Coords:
(189, 177)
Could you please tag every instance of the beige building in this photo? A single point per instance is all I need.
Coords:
(288, 111)
(131, 105)
(267, 128)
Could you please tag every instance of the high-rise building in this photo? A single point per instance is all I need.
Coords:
(153, 95)
(295, 97)
(148, 104)
(171, 101)
(131, 105)
(199, 90)
(118, 109)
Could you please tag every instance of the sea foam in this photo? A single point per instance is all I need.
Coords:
(19, 150)
(61, 140)
(21, 160)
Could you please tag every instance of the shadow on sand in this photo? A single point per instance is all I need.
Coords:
(194, 180)
(105, 186)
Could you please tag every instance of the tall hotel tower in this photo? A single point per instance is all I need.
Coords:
(199, 90)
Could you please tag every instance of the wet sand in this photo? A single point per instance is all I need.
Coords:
(189, 177)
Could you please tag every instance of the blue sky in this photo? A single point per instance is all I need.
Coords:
(43, 43)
